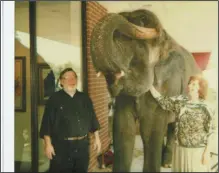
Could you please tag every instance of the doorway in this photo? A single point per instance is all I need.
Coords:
(48, 38)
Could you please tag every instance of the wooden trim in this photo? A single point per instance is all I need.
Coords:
(41, 99)
(84, 46)
(23, 87)
(34, 89)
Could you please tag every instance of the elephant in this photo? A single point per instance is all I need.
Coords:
(135, 46)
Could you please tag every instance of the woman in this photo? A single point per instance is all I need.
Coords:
(194, 126)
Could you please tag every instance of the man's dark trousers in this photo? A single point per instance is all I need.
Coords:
(71, 156)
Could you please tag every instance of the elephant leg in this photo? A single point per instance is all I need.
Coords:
(167, 152)
(153, 122)
(124, 131)
(155, 145)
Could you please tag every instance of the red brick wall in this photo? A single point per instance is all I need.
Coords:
(96, 86)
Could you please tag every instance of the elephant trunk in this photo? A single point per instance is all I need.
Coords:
(104, 48)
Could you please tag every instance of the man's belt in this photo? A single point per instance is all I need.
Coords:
(75, 138)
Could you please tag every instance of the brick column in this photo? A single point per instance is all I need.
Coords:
(97, 88)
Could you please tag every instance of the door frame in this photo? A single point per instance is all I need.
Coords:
(34, 76)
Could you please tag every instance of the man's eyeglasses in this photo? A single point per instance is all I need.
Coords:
(69, 78)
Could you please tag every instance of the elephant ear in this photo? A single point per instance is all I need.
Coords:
(172, 74)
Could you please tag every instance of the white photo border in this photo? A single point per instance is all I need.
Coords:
(7, 86)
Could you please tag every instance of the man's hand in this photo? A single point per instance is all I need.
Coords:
(97, 145)
(205, 158)
(49, 151)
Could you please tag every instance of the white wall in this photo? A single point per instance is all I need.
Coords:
(58, 34)
(56, 54)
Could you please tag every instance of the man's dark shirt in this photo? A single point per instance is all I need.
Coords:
(66, 116)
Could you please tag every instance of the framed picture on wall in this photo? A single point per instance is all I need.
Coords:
(20, 83)
(46, 82)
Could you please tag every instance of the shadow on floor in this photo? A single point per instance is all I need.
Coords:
(22, 166)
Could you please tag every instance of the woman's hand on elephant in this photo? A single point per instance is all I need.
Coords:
(155, 93)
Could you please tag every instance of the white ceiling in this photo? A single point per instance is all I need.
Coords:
(118, 6)
(56, 20)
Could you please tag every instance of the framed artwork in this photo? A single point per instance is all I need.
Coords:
(46, 82)
(20, 83)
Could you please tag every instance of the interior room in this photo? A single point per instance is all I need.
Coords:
(57, 35)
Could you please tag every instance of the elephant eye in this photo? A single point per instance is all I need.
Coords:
(137, 21)
(147, 22)
(143, 21)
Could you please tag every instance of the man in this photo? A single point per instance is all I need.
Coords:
(68, 118)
